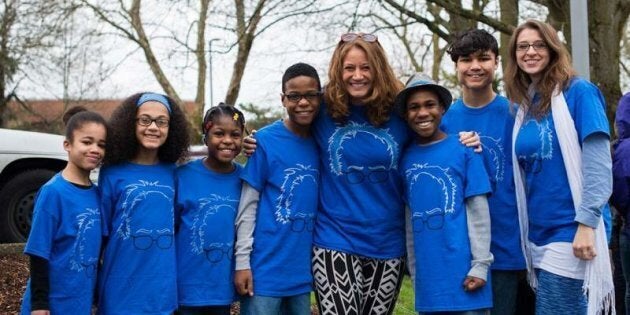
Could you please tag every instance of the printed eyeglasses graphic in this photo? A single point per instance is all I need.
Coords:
(146, 241)
(375, 174)
(537, 45)
(216, 251)
(301, 222)
(432, 220)
(349, 37)
(146, 121)
(533, 165)
(89, 268)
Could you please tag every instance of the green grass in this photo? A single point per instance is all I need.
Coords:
(405, 302)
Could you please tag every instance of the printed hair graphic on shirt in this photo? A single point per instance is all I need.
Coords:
(533, 162)
(207, 207)
(139, 219)
(298, 180)
(84, 256)
(357, 172)
(439, 175)
(546, 138)
(433, 218)
(494, 149)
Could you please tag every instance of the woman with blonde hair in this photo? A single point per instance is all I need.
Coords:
(359, 247)
(562, 173)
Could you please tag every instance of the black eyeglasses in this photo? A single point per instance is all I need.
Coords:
(537, 45)
(147, 121)
(349, 37)
(311, 97)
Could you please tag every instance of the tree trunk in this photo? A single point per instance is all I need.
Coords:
(200, 54)
(246, 34)
(607, 20)
(154, 65)
(509, 16)
(7, 64)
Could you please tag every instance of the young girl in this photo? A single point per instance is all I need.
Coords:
(149, 134)
(65, 238)
(208, 191)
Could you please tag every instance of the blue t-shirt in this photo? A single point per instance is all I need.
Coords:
(285, 171)
(361, 210)
(550, 205)
(206, 205)
(66, 231)
(438, 179)
(138, 271)
(494, 123)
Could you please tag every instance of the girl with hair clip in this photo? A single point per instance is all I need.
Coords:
(149, 133)
(208, 192)
(65, 238)
(562, 174)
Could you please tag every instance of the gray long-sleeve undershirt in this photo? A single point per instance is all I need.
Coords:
(596, 178)
(478, 221)
(245, 225)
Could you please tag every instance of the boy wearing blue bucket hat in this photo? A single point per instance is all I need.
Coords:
(448, 222)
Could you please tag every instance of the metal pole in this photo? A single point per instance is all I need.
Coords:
(579, 38)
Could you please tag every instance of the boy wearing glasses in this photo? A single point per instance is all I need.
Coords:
(476, 57)
(447, 208)
(278, 203)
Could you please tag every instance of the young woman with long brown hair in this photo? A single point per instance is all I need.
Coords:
(562, 173)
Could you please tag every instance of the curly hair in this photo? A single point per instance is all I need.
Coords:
(558, 72)
(385, 85)
(122, 143)
(468, 42)
(77, 116)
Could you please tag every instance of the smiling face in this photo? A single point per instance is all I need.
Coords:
(357, 75)
(532, 61)
(424, 114)
(87, 149)
(302, 112)
(224, 141)
(476, 71)
(151, 137)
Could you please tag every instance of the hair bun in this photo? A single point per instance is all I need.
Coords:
(71, 112)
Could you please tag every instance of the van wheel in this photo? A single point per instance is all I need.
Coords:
(18, 197)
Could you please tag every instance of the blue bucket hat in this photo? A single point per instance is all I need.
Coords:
(421, 81)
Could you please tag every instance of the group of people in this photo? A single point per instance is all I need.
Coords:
(362, 177)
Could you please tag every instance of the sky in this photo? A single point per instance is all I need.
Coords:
(274, 50)
(301, 40)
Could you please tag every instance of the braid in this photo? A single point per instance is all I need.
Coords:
(222, 110)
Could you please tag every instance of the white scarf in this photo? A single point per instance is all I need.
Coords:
(598, 284)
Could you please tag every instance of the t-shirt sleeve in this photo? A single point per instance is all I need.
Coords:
(589, 109)
(255, 171)
(107, 202)
(44, 225)
(477, 181)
